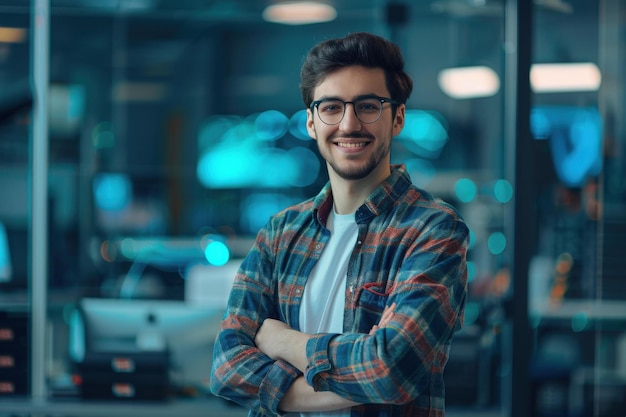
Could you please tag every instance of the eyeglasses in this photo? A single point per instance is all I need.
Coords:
(367, 109)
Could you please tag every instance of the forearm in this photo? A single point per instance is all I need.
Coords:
(278, 341)
(302, 398)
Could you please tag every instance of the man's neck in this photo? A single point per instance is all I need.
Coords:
(349, 195)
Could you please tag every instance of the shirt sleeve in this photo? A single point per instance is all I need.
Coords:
(241, 372)
(405, 359)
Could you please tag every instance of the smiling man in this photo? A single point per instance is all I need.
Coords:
(347, 303)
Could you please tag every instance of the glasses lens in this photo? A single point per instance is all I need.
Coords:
(331, 111)
(368, 110)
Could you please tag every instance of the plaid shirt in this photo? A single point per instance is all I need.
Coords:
(411, 250)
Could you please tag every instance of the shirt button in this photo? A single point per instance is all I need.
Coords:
(298, 291)
(318, 246)
(358, 242)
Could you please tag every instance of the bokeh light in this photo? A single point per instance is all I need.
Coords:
(424, 133)
(297, 125)
(580, 321)
(217, 253)
(496, 243)
(422, 171)
(503, 191)
(471, 271)
(465, 190)
(112, 192)
(271, 125)
(307, 167)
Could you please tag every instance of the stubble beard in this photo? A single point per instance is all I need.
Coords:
(364, 170)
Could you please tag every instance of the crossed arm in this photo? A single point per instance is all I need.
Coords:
(279, 341)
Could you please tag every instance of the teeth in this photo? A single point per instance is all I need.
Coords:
(351, 144)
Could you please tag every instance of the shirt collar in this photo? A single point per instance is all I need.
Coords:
(381, 199)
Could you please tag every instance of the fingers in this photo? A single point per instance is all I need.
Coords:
(387, 314)
(386, 317)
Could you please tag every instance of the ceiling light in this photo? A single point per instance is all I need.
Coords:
(552, 78)
(469, 82)
(299, 13)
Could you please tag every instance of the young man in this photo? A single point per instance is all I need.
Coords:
(347, 303)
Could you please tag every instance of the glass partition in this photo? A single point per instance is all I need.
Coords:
(576, 293)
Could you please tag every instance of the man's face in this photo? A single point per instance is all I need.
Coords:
(352, 149)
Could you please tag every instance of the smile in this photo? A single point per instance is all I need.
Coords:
(351, 144)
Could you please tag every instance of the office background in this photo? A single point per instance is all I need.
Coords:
(144, 142)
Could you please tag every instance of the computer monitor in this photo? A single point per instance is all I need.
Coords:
(186, 330)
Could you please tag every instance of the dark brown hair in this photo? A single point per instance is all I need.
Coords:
(361, 48)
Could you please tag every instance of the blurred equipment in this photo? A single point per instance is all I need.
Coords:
(14, 353)
(142, 349)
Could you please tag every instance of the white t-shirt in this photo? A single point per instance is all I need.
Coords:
(324, 297)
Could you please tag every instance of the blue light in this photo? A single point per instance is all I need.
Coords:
(112, 192)
(258, 207)
(465, 190)
(472, 239)
(217, 253)
(215, 128)
(471, 271)
(539, 124)
(472, 312)
(227, 167)
(277, 169)
(575, 139)
(424, 133)
(6, 268)
(496, 243)
(422, 171)
(297, 125)
(503, 191)
(77, 102)
(271, 125)
(580, 321)
(307, 166)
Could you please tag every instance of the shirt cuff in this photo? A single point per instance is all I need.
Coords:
(318, 360)
(275, 384)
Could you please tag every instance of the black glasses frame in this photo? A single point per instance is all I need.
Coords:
(382, 100)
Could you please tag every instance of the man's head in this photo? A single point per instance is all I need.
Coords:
(355, 90)
(363, 49)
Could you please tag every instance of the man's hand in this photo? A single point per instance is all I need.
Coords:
(279, 341)
(385, 318)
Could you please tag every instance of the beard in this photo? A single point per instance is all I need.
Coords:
(356, 172)
(364, 169)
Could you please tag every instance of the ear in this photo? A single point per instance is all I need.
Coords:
(310, 125)
(398, 122)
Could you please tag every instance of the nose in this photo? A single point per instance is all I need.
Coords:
(350, 122)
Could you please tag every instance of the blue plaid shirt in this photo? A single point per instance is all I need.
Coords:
(411, 251)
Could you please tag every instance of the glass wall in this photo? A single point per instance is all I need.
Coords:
(576, 288)
(175, 128)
